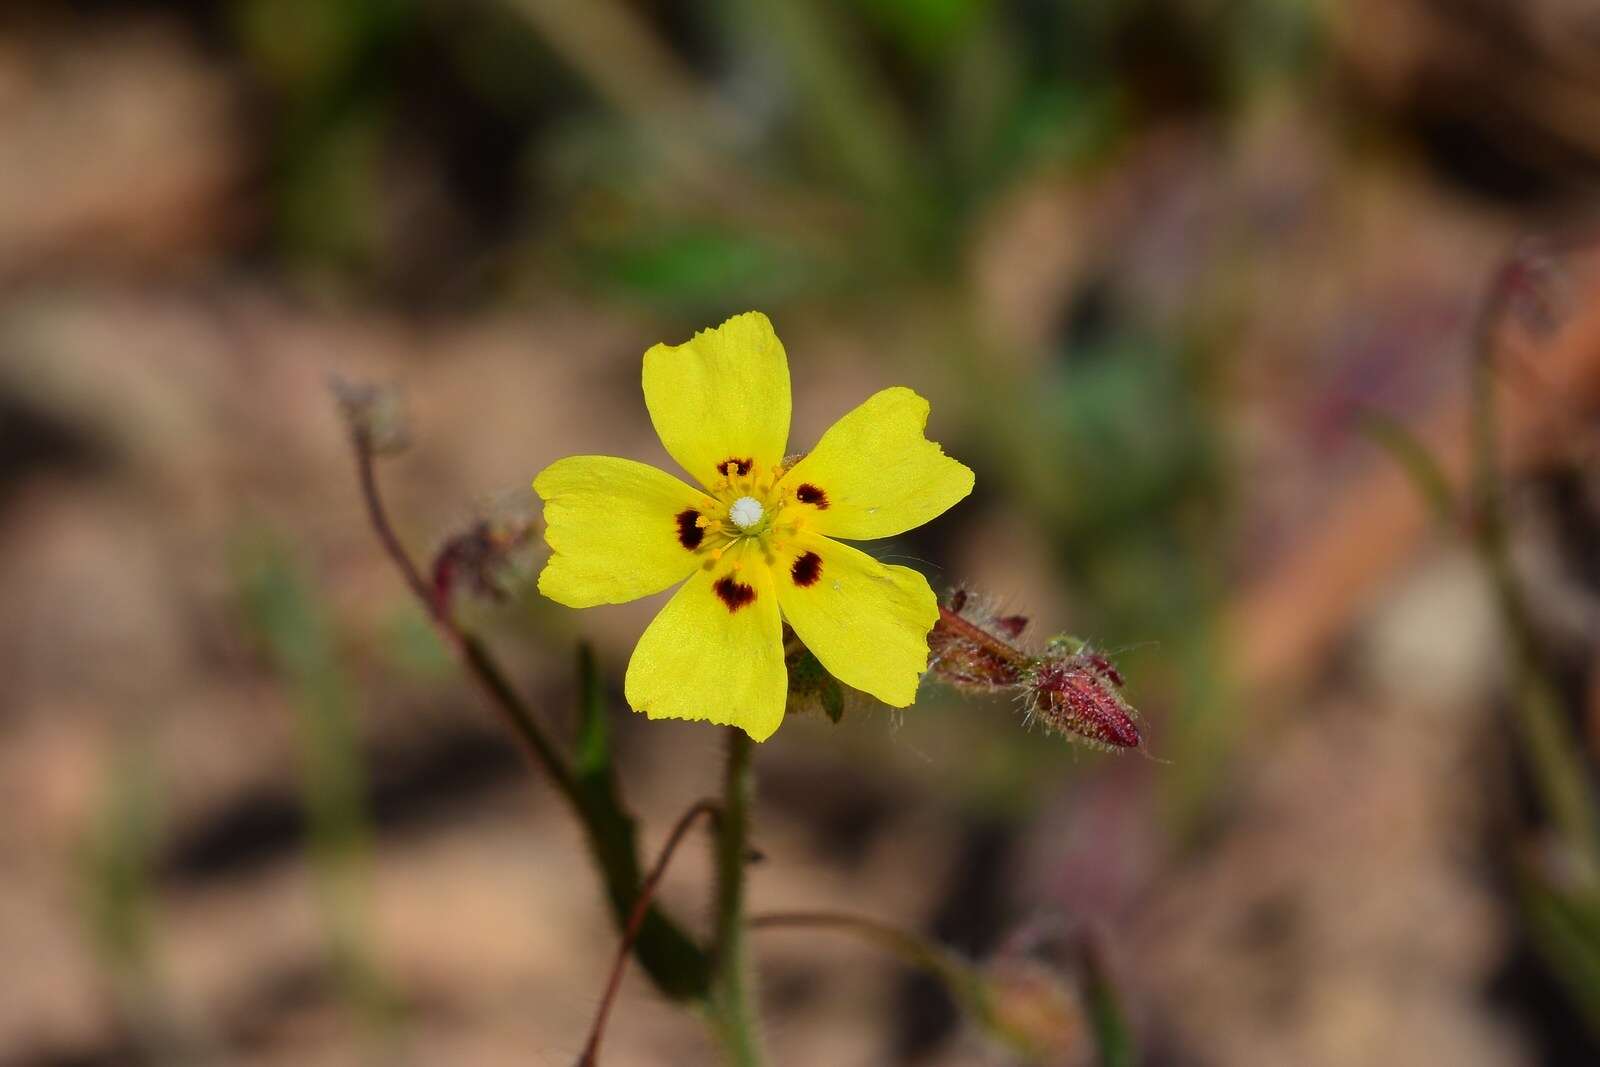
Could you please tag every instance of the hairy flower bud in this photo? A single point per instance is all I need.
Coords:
(1080, 694)
(478, 560)
(1071, 688)
(1035, 1009)
(373, 414)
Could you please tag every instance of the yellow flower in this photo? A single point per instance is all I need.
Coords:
(756, 543)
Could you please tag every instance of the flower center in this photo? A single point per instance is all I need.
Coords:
(746, 512)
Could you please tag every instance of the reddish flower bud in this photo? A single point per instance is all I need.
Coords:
(1011, 625)
(1071, 688)
(374, 415)
(477, 560)
(971, 649)
(1078, 694)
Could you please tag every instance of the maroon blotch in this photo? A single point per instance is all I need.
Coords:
(813, 495)
(733, 594)
(733, 465)
(1103, 667)
(807, 569)
(690, 533)
(1011, 625)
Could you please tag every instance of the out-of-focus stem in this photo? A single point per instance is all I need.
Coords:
(733, 1013)
(955, 974)
(1553, 750)
(473, 655)
(1113, 1037)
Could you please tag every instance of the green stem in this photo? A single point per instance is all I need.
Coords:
(1552, 749)
(959, 978)
(733, 1015)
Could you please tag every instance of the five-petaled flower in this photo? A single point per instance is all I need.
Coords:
(757, 542)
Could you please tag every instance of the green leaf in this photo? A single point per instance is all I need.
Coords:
(832, 697)
(284, 613)
(810, 684)
(1108, 1019)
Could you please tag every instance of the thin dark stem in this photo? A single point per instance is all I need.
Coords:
(366, 470)
(641, 907)
(733, 1015)
(982, 638)
(470, 650)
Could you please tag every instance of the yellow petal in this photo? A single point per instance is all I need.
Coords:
(716, 650)
(613, 528)
(866, 622)
(721, 396)
(874, 474)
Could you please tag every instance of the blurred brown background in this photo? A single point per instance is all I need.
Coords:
(1157, 263)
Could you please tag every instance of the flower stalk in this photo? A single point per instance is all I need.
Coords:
(733, 1013)
(1552, 749)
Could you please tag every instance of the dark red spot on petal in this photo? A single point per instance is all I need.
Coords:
(734, 594)
(735, 466)
(813, 495)
(690, 533)
(807, 569)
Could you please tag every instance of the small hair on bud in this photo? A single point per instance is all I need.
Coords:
(1070, 688)
(1079, 694)
(968, 652)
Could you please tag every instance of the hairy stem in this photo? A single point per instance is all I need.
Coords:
(983, 639)
(733, 1014)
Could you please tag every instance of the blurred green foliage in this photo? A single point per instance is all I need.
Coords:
(714, 133)
(283, 613)
(118, 856)
(119, 860)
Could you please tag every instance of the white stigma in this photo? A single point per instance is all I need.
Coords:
(746, 512)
